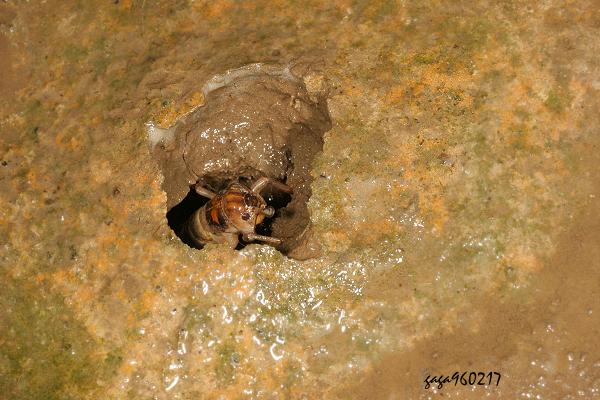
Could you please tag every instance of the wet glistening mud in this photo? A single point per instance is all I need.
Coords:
(442, 217)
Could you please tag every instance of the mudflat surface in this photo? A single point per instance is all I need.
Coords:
(454, 204)
(546, 345)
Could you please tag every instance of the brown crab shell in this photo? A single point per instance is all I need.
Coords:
(237, 209)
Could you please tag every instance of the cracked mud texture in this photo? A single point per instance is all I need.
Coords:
(455, 203)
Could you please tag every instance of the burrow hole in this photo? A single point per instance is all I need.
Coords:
(256, 121)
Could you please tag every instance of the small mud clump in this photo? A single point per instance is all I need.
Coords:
(256, 121)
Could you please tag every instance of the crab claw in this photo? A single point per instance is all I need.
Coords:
(268, 211)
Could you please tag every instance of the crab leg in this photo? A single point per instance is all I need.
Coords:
(261, 183)
(204, 192)
(249, 237)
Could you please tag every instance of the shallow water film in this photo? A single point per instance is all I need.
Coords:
(454, 216)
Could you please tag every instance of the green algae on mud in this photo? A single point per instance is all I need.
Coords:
(44, 351)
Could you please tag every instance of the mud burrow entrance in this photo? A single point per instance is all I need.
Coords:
(256, 121)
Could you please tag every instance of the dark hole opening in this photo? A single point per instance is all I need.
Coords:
(178, 216)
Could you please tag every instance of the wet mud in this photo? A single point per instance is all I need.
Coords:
(453, 206)
(536, 343)
(255, 121)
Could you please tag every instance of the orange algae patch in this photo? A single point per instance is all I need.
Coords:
(121, 207)
(126, 4)
(351, 89)
(523, 260)
(371, 232)
(457, 80)
(440, 213)
(396, 94)
(84, 295)
(148, 300)
(213, 9)
(62, 277)
(337, 241)
(67, 140)
(108, 236)
(168, 115)
(101, 170)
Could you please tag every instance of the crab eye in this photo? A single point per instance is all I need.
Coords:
(250, 200)
(245, 216)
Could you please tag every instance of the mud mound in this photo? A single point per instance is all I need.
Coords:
(256, 121)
